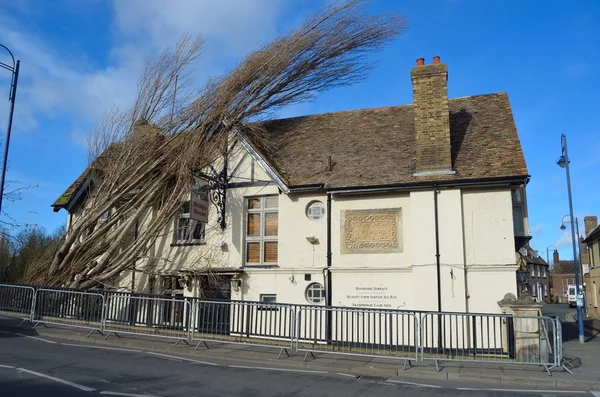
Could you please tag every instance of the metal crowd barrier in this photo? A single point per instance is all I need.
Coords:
(145, 315)
(489, 338)
(17, 301)
(403, 335)
(69, 308)
(247, 323)
(359, 332)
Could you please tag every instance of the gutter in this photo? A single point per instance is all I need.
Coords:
(428, 185)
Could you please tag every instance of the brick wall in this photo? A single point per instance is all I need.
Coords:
(431, 117)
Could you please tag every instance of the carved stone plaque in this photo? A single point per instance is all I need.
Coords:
(371, 231)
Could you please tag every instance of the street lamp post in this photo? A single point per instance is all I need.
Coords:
(12, 95)
(547, 254)
(563, 162)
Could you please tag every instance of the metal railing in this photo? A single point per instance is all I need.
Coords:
(489, 338)
(249, 323)
(357, 331)
(17, 301)
(160, 317)
(402, 335)
(71, 308)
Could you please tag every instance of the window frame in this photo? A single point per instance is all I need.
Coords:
(262, 238)
(518, 202)
(309, 288)
(191, 224)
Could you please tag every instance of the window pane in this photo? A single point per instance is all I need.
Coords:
(186, 208)
(268, 298)
(182, 228)
(253, 252)
(271, 224)
(198, 231)
(518, 218)
(271, 202)
(271, 251)
(254, 203)
(253, 225)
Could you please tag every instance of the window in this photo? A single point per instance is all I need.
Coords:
(187, 230)
(518, 202)
(544, 271)
(315, 293)
(262, 224)
(532, 270)
(545, 290)
(570, 281)
(268, 298)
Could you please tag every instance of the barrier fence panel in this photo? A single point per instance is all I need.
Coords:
(147, 315)
(17, 301)
(356, 331)
(250, 323)
(69, 308)
(489, 338)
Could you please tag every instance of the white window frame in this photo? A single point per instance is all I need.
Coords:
(314, 287)
(262, 238)
(188, 238)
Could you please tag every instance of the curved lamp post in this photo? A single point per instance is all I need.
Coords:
(563, 162)
(548, 255)
(14, 69)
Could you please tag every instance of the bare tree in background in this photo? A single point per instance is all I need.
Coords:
(143, 178)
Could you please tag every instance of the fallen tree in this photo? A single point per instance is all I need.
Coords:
(144, 177)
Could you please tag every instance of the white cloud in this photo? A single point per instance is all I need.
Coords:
(55, 83)
(565, 240)
(536, 229)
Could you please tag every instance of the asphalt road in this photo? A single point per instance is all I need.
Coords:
(558, 309)
(31, 366)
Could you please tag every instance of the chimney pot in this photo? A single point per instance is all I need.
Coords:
(436, 60)
(420, 61)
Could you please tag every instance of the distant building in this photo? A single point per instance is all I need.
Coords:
(537, 280)
(592, 279)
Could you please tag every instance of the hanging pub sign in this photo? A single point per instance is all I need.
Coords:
(199, 199)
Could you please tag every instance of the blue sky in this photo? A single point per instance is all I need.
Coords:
(79, 57)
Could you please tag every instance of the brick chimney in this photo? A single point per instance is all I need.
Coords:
(590, 223)
(431, 118)
(555, 258)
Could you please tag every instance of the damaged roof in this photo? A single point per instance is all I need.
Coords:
(376, 147)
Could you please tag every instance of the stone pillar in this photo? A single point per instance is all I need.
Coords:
(531, 340)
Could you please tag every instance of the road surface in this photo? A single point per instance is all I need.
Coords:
(34, 366)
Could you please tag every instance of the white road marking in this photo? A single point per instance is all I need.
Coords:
(525, 390)
(278, 369)
(65, 382)
(412, 383)
(181, 358)
(116, 393)
(35, 338)
(102, 347)
(348, 375)
(595, 393)
(7, 366)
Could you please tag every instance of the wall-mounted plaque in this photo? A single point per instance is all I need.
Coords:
(371, 231)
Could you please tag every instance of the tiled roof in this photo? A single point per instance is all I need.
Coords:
(374, 147)
(377, 146)
(68, 194)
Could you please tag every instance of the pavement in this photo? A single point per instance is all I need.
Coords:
(583, 360)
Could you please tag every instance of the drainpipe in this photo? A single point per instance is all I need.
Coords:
(437, 247)
(329, 295)
(437, 262)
